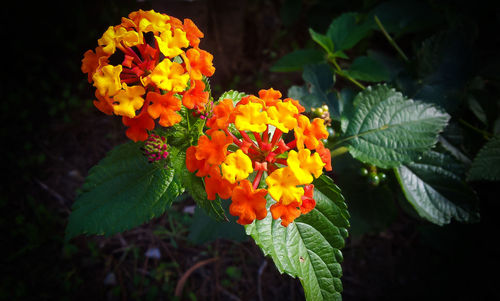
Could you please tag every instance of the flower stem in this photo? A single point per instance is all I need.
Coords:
(485, 134)
(340, 72)
(389, 38)
(339, 151)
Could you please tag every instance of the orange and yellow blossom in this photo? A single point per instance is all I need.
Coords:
(235, 160)
(170, 64)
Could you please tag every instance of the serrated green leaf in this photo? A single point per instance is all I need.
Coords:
(368, 69)
(123, 191)
(345, 31)
(196, 188)
(309, 248)
(386, 129)
(234, 95)
(486, 165)
(296, 60)
(434, 187)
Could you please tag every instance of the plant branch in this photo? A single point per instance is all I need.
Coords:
(340, 72)
(389, 38)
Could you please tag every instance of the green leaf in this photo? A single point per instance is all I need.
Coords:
(434, 187)
(296, 60)
(196, 188)
(205, 229)
(123, 191)
(323, 40)
(234, 95)
(318, 89)
(486, 165)
(345, 32)
(386, 129)
(368, 69)
(309, 248)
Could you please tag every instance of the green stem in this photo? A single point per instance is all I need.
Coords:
(339, 151)
(187, 120)
(389, 38)
(485, 134)
(339, 71)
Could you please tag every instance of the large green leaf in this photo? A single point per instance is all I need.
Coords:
(368, 69)
(318, 88)
(345, 31)
(386, 129)
(123, 191)
(205, 229)
(309, 248)
(486, 165)
(434, 187)
(296, 60)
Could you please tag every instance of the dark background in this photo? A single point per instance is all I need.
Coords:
(52, 135)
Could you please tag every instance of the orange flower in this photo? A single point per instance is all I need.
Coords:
(324, 154)
(165, 107)
(308, 203)
(103, 103)
(221, 115)
(309, 133)
(193, 164)
(216, 184)
(92, 61)
(200, 63)
(249, 142)
(193, 34)
(270, 97)
(196, 96)
(138, 126)
(161, 67)
(287, 213)
(213, 150)
(248, 203)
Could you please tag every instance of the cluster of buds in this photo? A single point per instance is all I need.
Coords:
(162, 66)
(323, 113)
(233, 163)
(155, 148)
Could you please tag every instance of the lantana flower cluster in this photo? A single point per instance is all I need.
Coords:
(256, 138)
(162, 67)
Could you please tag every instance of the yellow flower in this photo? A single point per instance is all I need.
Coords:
(170, 44)
(236, 167)
(130, 38)
(303, 164)
(170, 76)
(107, 80)
(249, 117)
(282, 116)
(129, 100)
(283, 186)
(149, 20)
(108, 41)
